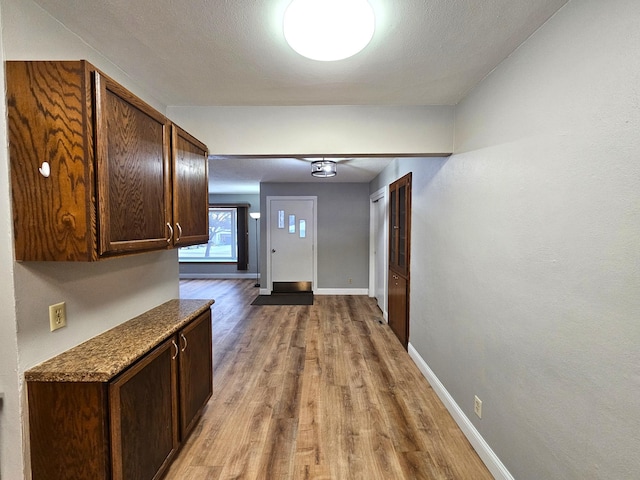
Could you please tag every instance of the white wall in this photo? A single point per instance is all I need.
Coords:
(526, 250)
(320, 130)
(10, 426)
(99, 295)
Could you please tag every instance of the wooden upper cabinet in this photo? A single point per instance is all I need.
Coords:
(91, 167)
(190, 189)
(133, 174)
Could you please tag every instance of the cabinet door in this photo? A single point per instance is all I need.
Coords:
(196, 370)
(400, 224)
(133, 176)
(398, 318)
(144, 422)
(190, 189)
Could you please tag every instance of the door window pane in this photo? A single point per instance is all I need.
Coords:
(303, 228)
(292, 224)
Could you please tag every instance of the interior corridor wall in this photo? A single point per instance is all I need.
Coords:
(525, 250)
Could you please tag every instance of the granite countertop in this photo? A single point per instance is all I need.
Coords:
(101, 358)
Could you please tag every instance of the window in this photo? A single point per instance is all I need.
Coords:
(227, 238)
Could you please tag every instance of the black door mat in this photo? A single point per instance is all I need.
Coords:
(301, 298)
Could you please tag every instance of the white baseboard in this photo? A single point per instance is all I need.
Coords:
(264, 291)
(330, 291)
(341, 291)
(486, 454)
(216, 276)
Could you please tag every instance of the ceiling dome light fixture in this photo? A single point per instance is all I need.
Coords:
(328, 30)
(324, 168)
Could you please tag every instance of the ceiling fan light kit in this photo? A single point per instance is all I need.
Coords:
(324, 168)
(328, 30)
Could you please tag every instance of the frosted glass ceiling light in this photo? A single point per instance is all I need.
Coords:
(324, 168)
(328, 30)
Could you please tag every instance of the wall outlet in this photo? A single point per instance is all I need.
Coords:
(350, 280)
(57, 316)
(477, 406)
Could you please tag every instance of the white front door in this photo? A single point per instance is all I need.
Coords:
(291, 240)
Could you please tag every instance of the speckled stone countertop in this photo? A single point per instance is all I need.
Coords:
(101, 358)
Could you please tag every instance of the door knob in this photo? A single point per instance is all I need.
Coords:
(273, 250)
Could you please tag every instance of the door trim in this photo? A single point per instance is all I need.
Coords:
(314, 199)
(381, 195)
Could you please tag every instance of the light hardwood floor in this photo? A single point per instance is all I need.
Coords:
(316, 392)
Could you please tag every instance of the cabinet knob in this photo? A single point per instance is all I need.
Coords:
(175, 345)
(184, 341)
(170, 232)
(179, 231)
(45, 170)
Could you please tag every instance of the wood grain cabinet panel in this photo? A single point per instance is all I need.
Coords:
(196, 371)
(190, 189)
(398, 307)
(144, 421)
(133, 174)
(48, 106)
(76, 413)
(93, 169)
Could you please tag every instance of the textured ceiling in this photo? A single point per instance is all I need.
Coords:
(233, 52)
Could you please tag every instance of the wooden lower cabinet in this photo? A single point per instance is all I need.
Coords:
(398, 308)
(196, 372)
(130, 427)
(144, 420)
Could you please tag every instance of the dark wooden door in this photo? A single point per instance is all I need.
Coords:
(144, 420)
(133, 171)
(399, 257)
(190, 189)
(196, 371)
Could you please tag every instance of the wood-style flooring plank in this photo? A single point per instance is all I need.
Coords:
(318, 392)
